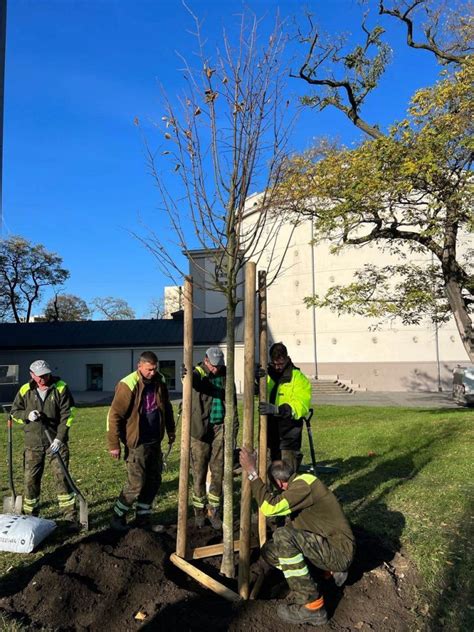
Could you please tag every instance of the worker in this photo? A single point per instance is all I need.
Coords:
(316, 530)
(289, 400)
(45, 402)
(140, 412)
(207, 435)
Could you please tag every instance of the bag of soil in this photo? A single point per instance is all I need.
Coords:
(22, 534)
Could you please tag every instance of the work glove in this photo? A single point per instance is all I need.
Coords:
(259, 372)
(265, 408)
(115, 454)
(34, 415)
(183, 371)
(55, 446)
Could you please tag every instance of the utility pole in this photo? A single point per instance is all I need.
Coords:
(3, 37)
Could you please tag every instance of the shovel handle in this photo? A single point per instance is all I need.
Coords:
(72, 484)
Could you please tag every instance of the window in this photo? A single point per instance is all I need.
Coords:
(95, 377)
(9, 373)
(168, 368)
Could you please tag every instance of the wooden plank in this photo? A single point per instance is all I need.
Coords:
(215, 549)
(263, 361)
(205, 580)
(183, 492)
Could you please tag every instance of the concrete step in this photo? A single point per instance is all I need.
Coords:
(329, 386)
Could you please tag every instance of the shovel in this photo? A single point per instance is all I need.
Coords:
(170, 445)
(11, 504)
(83, 508)
(314, 467)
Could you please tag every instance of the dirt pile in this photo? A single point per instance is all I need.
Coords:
(127, 583)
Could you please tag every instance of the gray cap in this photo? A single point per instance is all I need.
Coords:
(40, 367)
(215, 356)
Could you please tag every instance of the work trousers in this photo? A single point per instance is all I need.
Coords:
(34, 462)
(284, 440)
(144, 466)
(289, 549)
(208, 452)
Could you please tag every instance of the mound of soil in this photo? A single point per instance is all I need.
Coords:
(119, 583)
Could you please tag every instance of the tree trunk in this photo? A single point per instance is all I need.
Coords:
(461, 316)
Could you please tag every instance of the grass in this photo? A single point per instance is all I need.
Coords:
(404, 474)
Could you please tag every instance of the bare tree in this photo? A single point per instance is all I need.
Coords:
(225, 138)
(66, 307)
(113, 308)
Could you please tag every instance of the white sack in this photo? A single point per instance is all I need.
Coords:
(22, 534)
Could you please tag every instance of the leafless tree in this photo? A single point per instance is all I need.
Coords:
(225, 138)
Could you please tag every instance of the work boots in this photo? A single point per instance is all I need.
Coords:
(294, 613)
(214, 518)
(199, 517)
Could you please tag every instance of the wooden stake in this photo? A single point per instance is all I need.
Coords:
(204, 579)
(249, 378)
(183, 493)
(262, 438)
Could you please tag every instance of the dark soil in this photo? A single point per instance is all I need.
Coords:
(106, 580)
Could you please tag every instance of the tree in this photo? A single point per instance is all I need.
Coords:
(113, 308)
(225, 138)
(26, 270)
(66, 307)
(407, 190)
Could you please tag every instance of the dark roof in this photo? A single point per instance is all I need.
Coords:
(113, 333)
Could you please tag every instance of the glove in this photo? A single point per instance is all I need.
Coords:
(55, 446)
(183, 371)
(171, 437)
(115, 454)
(34, 415)
(259, 372)
(264, 408)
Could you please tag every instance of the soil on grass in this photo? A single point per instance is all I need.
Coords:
(126, 582)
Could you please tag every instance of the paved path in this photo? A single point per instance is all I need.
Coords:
(359, 398)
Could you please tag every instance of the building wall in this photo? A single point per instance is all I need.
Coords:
(71, 364)
(391, 357)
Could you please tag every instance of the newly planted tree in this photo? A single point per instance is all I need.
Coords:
(224, 139)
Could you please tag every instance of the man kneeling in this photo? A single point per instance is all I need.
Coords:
(317, 531)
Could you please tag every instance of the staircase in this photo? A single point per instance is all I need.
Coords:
(329, 386)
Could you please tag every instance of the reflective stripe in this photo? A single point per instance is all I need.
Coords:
(201, 371)
(24, 389)
(143, 512)
(60, 385)
(30, 502)
(131, 380)
(279, 509)
(71, 417)
(199, 503)
(296, 559)
(144, 505)
(299, 572)
(307, 478)
(120, 505)
(214, 500)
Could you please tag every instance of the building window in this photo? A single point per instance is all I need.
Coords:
(168, 368)
(95, 378)
(9, 373)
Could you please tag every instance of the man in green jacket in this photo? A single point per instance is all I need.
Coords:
(316, 530)
(140, 412)
(289, 400)
(207, 435)
(45, 401)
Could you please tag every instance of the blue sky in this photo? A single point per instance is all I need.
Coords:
(77, 74)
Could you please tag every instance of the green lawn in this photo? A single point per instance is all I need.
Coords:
(404, 474)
